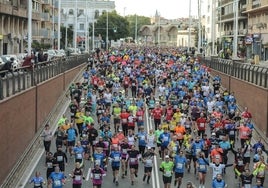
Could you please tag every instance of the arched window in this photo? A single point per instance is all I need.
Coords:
(71, 12)
(97, 14)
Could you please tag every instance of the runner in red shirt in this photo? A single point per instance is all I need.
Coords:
(169, 113)
(201, 124)
(124, 121)
(157, 114)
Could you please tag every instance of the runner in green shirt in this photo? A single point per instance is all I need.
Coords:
(167, 168)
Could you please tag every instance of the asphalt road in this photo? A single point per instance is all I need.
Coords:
(156, 180)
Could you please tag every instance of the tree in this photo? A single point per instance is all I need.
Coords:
(63, 36)
(141, 20)
(118, 26)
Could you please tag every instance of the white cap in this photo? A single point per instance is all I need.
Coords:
(213, 134)
(166, 157)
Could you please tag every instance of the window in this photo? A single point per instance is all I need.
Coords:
(81, 11)
(81, 26)
(97, 14)
(71, 12)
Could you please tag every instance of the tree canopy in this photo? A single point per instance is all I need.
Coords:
(118, 26)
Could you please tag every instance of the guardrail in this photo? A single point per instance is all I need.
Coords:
(251, 73)
(26, 77)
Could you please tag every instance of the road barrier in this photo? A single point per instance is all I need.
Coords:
(23, 78)
(250, 73)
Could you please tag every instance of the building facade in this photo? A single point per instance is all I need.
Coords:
(257, 35)
(88, 12)
(14, 21)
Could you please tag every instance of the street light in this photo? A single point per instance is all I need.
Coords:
(235, 29)
(189, 28)
(107, 25)
(30, 6)
(59, 21)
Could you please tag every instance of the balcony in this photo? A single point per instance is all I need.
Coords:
(45, 17)
(45, 33)
(36, 15)
(19, 11)
(6, 8)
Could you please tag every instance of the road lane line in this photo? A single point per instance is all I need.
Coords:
(153, 175)
(157, 184)
(88, 174)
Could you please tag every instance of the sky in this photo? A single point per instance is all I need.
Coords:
(169, 9)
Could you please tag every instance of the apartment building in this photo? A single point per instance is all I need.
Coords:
(225, 12)
(14, 19)
(87, 12)
(257, 35)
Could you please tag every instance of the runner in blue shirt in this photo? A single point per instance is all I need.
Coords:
(179, 162)
(115, 158)
(57, 178)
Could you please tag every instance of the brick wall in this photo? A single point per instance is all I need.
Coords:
(251, 96)
(19, 113)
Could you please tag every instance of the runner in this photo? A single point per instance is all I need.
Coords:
(57, 178)
(115, 158)
(77, 175)
(167, 168)
(133, 160)
(38, 181)
(97, 175)
(147, 159)
(180, 162)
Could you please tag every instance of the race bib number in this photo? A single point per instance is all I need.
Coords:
(179, 165)
(149, 162)
(77, 178)
(132, 160)
(97, 176)
(116, 159)
(79, 156)
(59, 158)
(124, 120)
(202, 167)
(202, 125)
(168, 173)
(57, 183)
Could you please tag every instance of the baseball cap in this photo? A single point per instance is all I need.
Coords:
(166, 157)
(149, 147)
(213, 134)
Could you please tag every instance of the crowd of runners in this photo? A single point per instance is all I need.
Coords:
(196, 123)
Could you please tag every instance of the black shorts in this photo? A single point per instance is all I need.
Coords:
(114, 168)
(178, 175)
(71, 143)
(148, 169)
(163, 148)
(246, 160)
(135, 166)
(158, 144)
(116, 121)
(167, 179)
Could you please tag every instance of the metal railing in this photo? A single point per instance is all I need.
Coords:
(26, 77)
(250, 73)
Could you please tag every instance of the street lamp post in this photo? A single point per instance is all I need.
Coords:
(189, 28)
(30, 27)
(59, 21)
(235, 29)
(75, 27)
(199, 26)
(107, 32)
